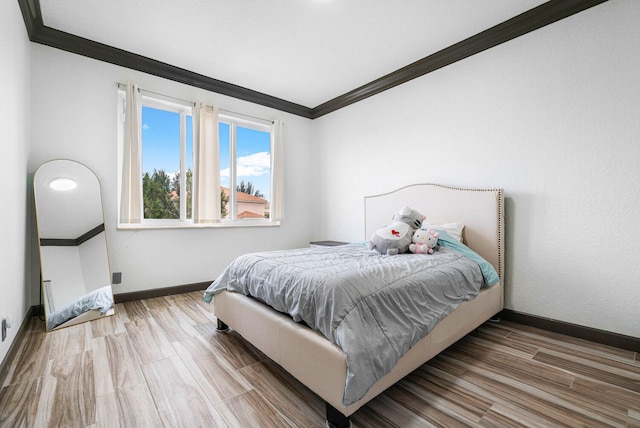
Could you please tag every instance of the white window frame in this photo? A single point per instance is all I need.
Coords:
(234, 120)
(183, 110)
(167, 103)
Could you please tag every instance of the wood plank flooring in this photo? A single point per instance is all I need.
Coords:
(161, 362)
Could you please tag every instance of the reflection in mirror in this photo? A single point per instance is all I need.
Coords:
(76, 280)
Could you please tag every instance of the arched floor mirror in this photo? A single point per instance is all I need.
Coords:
(74, 260)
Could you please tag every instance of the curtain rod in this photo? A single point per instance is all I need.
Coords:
(192, 103)
(187, 102)
(242, 115)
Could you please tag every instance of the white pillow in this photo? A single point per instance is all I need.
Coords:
(453, 229)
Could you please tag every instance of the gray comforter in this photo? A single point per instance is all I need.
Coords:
(374, 307)
(101, 298)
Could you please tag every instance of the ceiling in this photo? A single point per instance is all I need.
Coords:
(66, 214)
(306, 52)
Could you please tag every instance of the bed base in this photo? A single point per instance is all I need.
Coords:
(335, 419)
(222, 326)
(320, 365)
(90, 315)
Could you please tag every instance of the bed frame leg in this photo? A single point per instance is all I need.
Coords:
(335, 419)
(222, 326)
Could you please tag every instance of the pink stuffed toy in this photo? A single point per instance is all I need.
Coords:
(424, 241)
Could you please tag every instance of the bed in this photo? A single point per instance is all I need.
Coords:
(322, 365)
(93, 305)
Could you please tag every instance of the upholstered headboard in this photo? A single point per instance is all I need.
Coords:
(480, 210)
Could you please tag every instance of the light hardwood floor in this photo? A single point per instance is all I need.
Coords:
(160, 362)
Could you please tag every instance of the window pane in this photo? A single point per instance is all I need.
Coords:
(224, 139)
(253, 173)
(189, 166)
(161, 163)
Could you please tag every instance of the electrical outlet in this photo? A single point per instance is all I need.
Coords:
(4, 329)
(117, 278)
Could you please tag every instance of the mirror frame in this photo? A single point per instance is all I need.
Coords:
(64, 219)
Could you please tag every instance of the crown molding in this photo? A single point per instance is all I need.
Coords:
(39, 33)
(517, 26)
(72, 242)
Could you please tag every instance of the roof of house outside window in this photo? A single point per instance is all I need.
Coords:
(248, 214)
(245, 197)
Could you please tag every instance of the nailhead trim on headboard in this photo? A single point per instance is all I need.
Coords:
(499, 213)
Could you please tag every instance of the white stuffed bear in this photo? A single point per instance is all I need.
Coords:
(392, 239)
(395, 238)
(424, 241)
(410, 216)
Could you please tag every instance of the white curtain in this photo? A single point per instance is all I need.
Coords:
(277, 171)
(131, 197)
(206, 179)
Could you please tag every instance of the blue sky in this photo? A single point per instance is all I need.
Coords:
(252, 154)
(161, 149)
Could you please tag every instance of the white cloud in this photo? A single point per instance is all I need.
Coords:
(145, 126)
(253, 165)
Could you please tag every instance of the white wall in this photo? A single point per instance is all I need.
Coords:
(94, 262)
(74, 116)
(552, 117)
(64, 271)
(15, 297)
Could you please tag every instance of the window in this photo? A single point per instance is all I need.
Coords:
(167, 161)
(245, 165)
(163, 184)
